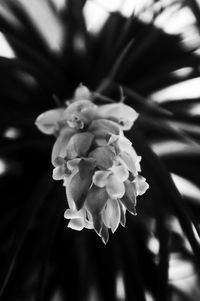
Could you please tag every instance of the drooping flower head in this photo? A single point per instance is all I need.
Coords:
(97, 163)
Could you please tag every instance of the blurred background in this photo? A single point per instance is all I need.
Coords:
(150, 49)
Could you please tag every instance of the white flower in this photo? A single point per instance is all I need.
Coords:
(124, 115)
(48, 122)
(96, 162)
(113, 180)
(82, 92)
(140, 184)
(78, 219)
(132, 189)
(80, 113)
(126, 153)
(112, 214)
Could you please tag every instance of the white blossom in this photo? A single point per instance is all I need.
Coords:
(97, 163)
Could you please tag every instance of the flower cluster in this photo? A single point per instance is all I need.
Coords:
(98, 165)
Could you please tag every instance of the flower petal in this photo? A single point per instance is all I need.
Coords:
(123, 214)
(115, 218)
(75, 123)
(98, 223)
(76, 224)
(77, 109)
(104, 156)
(100, 177)
(59, 173)
(79, 144)
(69, 213)
(107, 213)
(47, 122)
(89, 225)
(96, 200)
(141, 185)
(121, 172)
(86, 165)
(111, 214)
(88, 220)
(67, 182)
(73, 164)
(119, 112)
(59, 161)
(59, 148)
(100, 142)
(82, 92)
(131, 161)
(89, 113)
(124, 143)
(102, 128)
(129, 198)
(115, 187)
(126, 152)
(104, 234)
(78, 188)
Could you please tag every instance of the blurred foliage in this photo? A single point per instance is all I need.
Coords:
(40, 258)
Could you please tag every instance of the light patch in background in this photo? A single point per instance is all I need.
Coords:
(182, 72)
(174, 225)
(128, 7)
(111, 5)
(186, 187)
(184, 126)
(125, 7)
(5, 49)
(120, 288)
(46, 22)
(191, 38)
(57, 296)
(7, 14)
(167, 2)
(180, 269)
(11, 133)
(185, 90)
(95, 16)
(79, 43)
(3, 167)
(26, 78)
(96, 12)
(59, 4)
(169, 147)
(93, 294)
(174, 20)
(195, 110)
(196, 234)
(184, 277)
(148, 296)
(153, 245)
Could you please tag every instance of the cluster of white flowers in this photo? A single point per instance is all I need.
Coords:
(98, 165)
